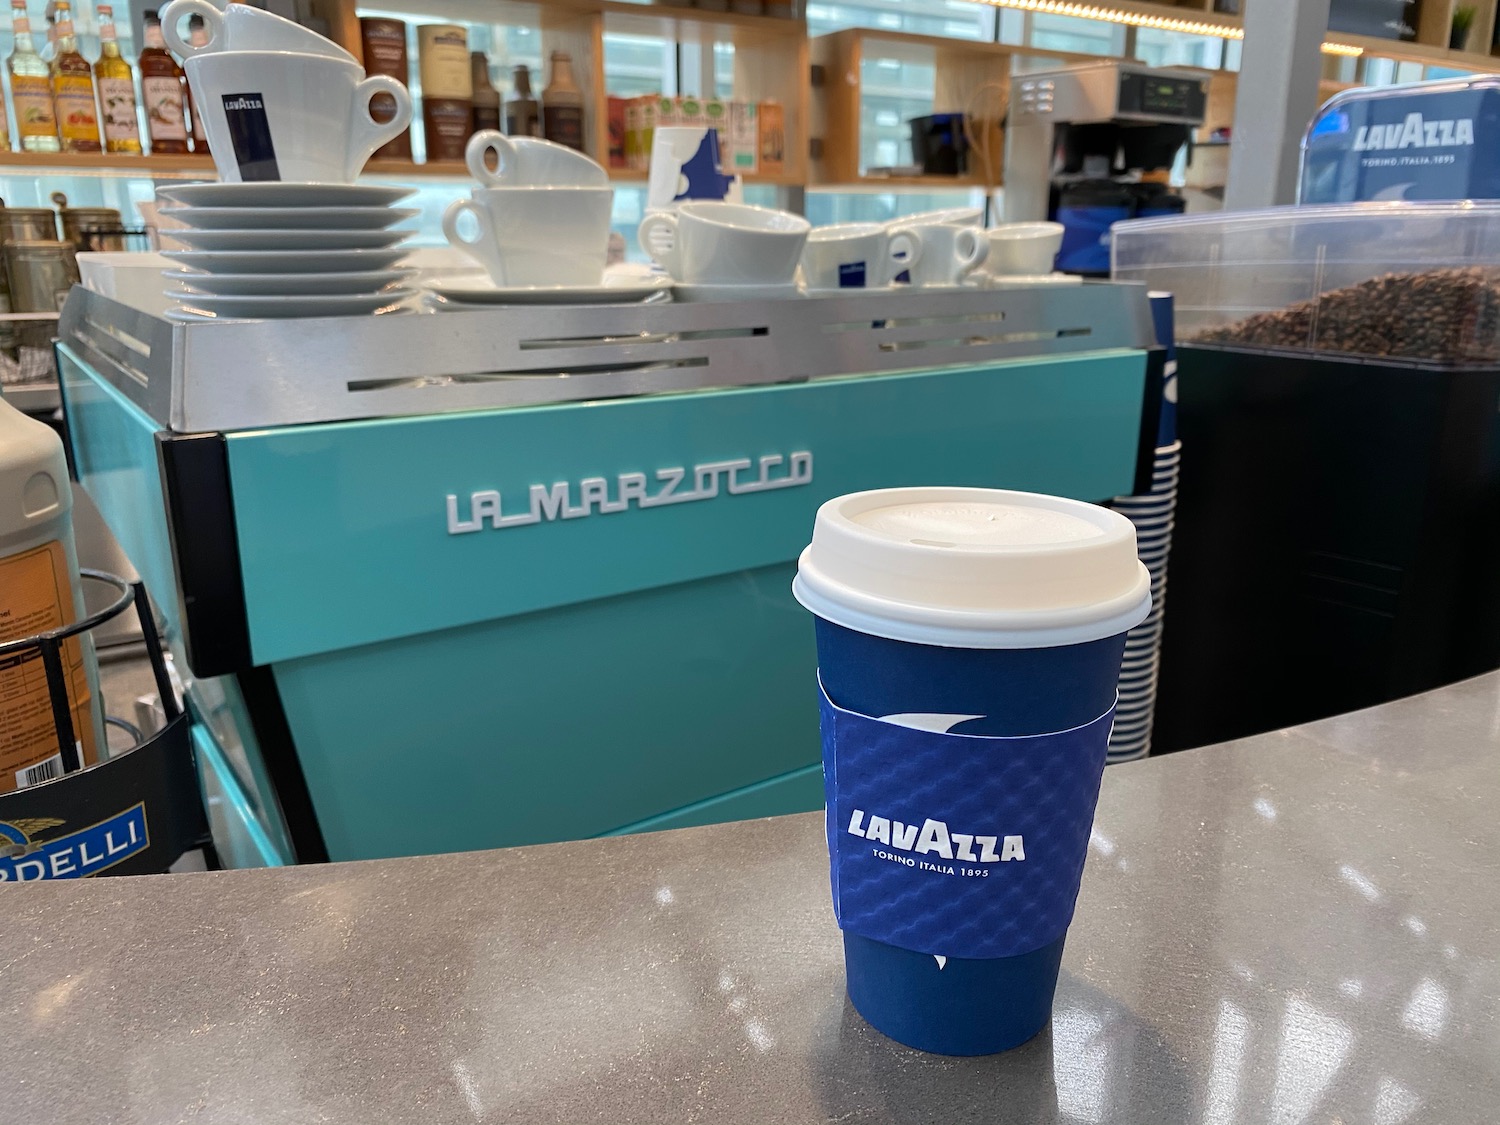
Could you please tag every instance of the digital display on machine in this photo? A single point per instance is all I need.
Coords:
(1179, 99)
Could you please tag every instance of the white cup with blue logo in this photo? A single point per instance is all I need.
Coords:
(857, 256)
(969, 645)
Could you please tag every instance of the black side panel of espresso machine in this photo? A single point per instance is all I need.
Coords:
(1336, 543)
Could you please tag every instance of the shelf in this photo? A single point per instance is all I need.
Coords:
(14, 317)
(780, 179)
(933, 183)
(188, 166)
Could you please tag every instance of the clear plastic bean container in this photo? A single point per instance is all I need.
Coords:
(1413, 282)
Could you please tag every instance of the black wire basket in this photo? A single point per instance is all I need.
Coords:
(136, 812)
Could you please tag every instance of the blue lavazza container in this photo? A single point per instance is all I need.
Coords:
(959, 1005)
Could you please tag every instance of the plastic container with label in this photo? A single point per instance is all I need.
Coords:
(39, 591)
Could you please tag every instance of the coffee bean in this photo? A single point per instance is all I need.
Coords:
(1442, 316)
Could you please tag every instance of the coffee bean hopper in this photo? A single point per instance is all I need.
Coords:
(458, 580)
(1338, 382)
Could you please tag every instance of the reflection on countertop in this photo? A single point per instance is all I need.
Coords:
(1299, 927)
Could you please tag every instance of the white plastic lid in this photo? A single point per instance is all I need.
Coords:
(973, 568)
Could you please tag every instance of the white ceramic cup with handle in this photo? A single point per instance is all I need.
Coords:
(536, 236)
(949, 253)
(242, 28)
(274, 115)
(716, 243)
(857, 255)
(1023, 249)
(530, 162)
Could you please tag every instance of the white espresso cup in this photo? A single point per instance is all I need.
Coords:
(716, 243)
(949, 253)
(536, 235)
(858, 255)
(273, 115)
(530, 162)
(1023, 249)
(242, 28)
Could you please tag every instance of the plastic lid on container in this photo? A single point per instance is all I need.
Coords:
(973, 568)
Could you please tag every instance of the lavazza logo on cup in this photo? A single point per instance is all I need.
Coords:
(250, 133)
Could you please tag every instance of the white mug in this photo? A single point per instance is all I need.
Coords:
(273, 115)
(536, 235)
(242, 28)
(953, 216)
(1024, 249)
(530, 162)
(726, 243)
(949, 252)
(858, 255)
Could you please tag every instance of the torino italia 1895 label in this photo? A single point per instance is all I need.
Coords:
(567, 500)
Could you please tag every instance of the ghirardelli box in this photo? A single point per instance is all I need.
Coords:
(384, 43)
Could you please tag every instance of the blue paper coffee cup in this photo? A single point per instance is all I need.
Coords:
(969, 645)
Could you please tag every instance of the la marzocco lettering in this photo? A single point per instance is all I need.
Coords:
(1415, 132)
(935, 841)
(555, 501)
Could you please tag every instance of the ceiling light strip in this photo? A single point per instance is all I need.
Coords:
(1141, 19)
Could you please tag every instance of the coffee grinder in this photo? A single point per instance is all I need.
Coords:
(1091, 145)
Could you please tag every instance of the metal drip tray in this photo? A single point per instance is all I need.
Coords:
(260, 373)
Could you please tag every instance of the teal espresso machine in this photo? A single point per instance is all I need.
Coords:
(452, 580)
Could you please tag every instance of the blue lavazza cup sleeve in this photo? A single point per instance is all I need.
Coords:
(969, 646)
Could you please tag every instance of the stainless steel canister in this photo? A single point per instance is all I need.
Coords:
(90, 228)
(27, 224)
(40, 272)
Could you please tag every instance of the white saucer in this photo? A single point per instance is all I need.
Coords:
(277, 194)
(614, 291)
(288, 239)
(289, 218)
(706, 293)
(196, 307)
(286, 261)
(286, 284)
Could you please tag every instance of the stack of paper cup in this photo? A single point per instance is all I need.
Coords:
(969, 642)
(1153, 515)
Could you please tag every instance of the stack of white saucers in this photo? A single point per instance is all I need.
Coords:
(1153, 515)
(273, 249)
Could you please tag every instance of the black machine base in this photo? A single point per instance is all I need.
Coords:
(1337, 541)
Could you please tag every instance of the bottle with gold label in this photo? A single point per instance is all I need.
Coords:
(39, 592)
(73, 89)
(116, 82)
(162, 87)
(30, 88)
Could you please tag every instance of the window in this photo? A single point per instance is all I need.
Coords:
(1068, 33)
(1173, 48)
(953, 19)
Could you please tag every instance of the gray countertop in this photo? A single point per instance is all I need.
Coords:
(1300, 927)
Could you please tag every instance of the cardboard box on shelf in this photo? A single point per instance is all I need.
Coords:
(633, 155)
(740, 142)
(772, 130)
(617, 133)
(690, 111)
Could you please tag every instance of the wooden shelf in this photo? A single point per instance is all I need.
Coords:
(109, 162)
(932, 183)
